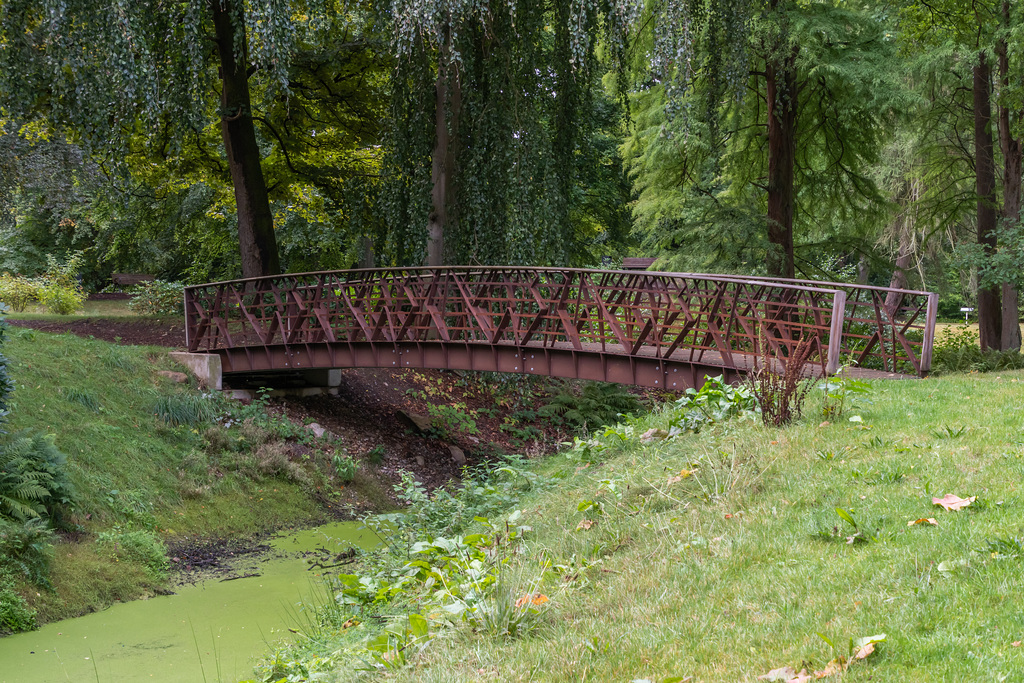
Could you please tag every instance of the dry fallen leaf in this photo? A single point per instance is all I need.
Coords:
(864, 647)
(953, 503)
(1016, 643)
(834, 667)
(531, 598)
(784, 674)
(653, 434)
(924, 520)
(585, 524)
(864, 651)
(683, 474)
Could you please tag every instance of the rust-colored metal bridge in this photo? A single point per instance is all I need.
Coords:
(664, 330)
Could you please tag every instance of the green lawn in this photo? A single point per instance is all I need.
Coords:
(103, 309)
(735, 569)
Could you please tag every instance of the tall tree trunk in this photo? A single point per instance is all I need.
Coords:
(366, 259)
(781, 91)
(863, 269)
(898, 280)
(1012, 158)
(447, 110)
(906, 234)
(990, 314)
(256, 240)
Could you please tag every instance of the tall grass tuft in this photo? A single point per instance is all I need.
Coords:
(116, 359)
(82, 397)
(183, 410)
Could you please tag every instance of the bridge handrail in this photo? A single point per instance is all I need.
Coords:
(789, 282)
(592, 308)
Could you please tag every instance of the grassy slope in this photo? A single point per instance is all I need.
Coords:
(676, 588)
(107, 308)
(129, 468)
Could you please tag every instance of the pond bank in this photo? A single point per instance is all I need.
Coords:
(210, 630)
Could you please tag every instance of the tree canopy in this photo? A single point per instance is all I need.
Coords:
(206, 139)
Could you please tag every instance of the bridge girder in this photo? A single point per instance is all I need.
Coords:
(656, 373)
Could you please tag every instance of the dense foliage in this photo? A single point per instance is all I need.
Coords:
(871, 141)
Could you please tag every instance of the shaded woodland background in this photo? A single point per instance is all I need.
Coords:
(203, 140)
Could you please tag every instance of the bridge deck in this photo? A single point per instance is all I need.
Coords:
(654, 329)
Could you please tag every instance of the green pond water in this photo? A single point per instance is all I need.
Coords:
(213, 631)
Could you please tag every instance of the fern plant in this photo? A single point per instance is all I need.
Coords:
(33, 479)
(593, 406)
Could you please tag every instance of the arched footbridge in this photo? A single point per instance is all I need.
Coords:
(663, 330)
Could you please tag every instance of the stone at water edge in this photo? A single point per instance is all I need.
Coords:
(318, 430)
(418, 422)
(457, 455)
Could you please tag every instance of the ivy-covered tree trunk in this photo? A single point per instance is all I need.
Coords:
(899, 273)
(990, 313)
(782, 112)
(256, 240)
(448, 106)
(863, 269)
(1012, 159)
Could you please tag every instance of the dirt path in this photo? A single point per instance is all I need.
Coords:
(117, 330)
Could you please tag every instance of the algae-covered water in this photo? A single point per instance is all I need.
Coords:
(212, 631)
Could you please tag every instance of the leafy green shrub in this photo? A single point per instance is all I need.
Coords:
(955, 338)
(133, 506)
(375, 455)
(25, 550)
(25, 553)
(595, 405)
(158, 297)
(60, 300)
(957, 350)
(260, 424)
(15, 615)
(716, 401)
(17, 291)
(344, 467)
(950, 305)
(839, 392)
(141, 546)
(484, 492)
(33, 478)
(447, 421)
(60, 291)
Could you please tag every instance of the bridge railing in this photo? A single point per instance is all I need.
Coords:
(716, 320)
